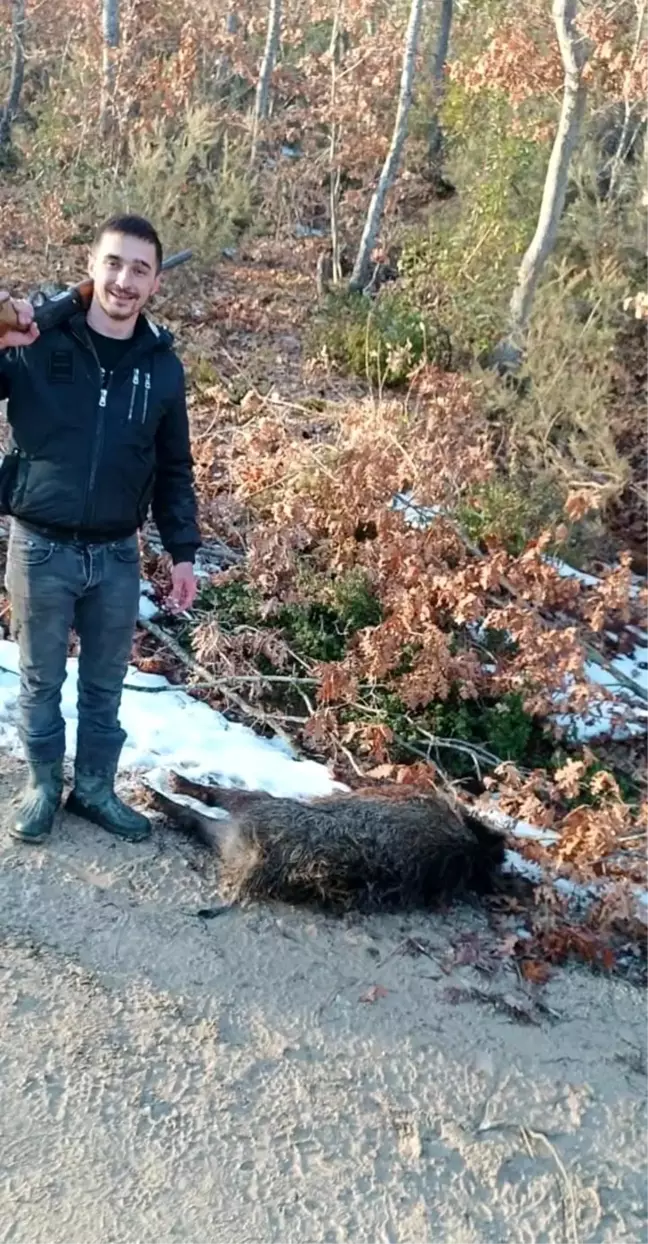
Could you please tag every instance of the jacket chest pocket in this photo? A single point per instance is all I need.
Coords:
(139, 406)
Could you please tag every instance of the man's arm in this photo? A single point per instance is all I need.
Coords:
(174, 499)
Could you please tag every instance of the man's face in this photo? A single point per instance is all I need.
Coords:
(124, 271)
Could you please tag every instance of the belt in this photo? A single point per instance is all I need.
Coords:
(67, 535)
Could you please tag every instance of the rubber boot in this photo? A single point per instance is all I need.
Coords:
(40, 802)
(94, 799)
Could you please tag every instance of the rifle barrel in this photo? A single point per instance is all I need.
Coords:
(174, 260)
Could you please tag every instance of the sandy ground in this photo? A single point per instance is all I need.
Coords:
(167, 1077)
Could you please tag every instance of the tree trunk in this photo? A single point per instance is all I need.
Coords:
(574, 56)
(17, 74)
(435, 140)
(626, 139)
(334, 164)
(374, 215)
(265, 73)
(110, 15)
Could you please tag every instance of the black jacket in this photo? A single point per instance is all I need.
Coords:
(92, 458)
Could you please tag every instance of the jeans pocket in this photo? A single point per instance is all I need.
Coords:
(126, 550)
(28, 549)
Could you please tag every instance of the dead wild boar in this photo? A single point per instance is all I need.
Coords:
(364, 849)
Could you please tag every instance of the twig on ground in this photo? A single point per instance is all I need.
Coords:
(529, 1134)
(508, 1006)
(178, 651)
(356, 768)
(473, 750)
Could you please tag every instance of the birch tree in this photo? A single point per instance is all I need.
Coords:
(265, 73)
(334, 164)
(110, 23)
(574, 53)
(8, 113)
(435, 138)
(360, 272)
(632, 113)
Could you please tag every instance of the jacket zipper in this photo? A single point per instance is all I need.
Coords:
(104, 385)
(147, 387)
(134, 387)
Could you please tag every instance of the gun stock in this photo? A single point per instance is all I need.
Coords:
(61, 307)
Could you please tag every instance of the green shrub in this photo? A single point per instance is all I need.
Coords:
(382, 340)
(321, 629)
(501, 727)
(511, 513)
(317, 629)
(196, 178)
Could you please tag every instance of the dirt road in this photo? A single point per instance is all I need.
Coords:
(168, 1077)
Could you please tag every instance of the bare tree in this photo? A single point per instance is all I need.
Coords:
(435, 139)
(334, 163)
(627, 138)
(392, 160)
(265, 73)
(574, 52)
(110, 17)
(8, 113)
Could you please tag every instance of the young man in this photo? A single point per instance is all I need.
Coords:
(98, 416)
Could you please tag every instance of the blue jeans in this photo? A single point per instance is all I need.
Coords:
(54, 586)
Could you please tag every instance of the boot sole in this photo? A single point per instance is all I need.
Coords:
(76, 808)
(35, 839)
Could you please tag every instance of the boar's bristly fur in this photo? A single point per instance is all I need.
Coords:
(364, 849)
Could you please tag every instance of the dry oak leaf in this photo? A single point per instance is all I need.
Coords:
(535, 971)
(569, 778)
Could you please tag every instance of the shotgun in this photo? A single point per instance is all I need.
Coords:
(60, 307)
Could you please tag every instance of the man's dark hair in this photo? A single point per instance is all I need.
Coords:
(134, 227)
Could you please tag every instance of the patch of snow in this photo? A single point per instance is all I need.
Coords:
(623, 718)
(167, 729)
(568, 572)
(417, 516)
(516, 863)
(148, 609)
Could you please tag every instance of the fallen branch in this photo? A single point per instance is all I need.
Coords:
(258, 678)
(257, 714)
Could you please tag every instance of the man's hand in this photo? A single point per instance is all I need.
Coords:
(27, 330)
(184, 587)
